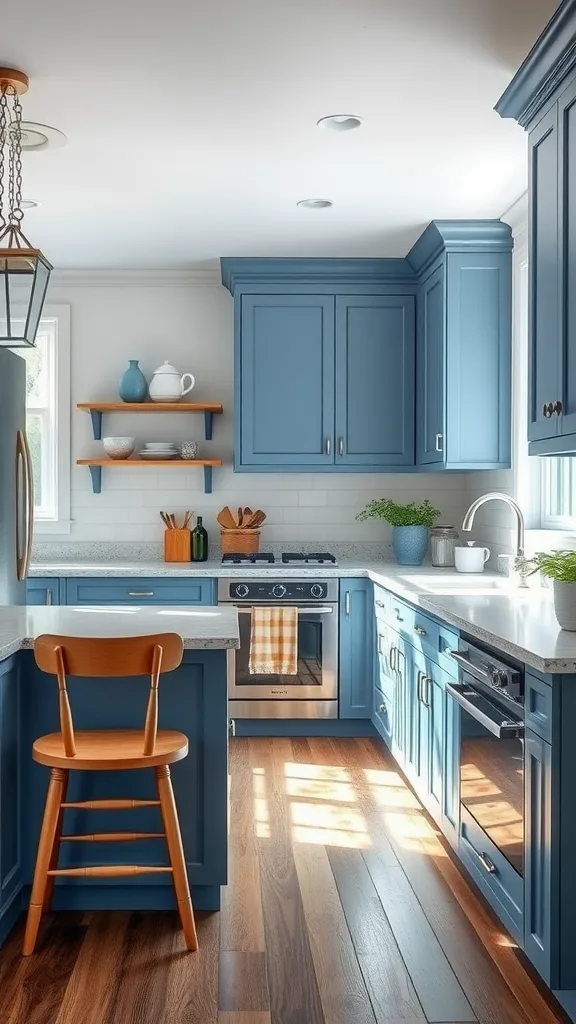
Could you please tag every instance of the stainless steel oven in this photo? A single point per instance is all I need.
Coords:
(313, 691)
(490, 694)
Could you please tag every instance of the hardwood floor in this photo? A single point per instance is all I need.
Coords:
(343, 908)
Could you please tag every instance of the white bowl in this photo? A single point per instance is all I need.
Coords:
(119, 447)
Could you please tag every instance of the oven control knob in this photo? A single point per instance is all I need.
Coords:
(317, 590)
(242, 590)
(278, 590)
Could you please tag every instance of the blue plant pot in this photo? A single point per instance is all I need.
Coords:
(133, 386)
(410, 544)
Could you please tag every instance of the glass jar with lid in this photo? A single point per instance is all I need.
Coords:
(443, 540)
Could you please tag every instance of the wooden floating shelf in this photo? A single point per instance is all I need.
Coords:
(96, 410)
(95, 467)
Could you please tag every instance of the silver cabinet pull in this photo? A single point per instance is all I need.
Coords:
(380, 642)
(232, 727)
(382, 707)
(379, 603)
(347, 603)
(439, 442)
(420, 631)
(558, 408)
(140, 593)
(428, 701)
(419, 687)
(48, 596)
(393, 662)
(340, 446)
(328, 446)
(398, 616)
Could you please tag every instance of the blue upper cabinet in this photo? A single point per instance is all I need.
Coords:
(542, 98)
(375, 355)
(285, 402)
(463, 399)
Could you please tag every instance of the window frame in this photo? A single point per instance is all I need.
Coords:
(547, 520)
(59, 522)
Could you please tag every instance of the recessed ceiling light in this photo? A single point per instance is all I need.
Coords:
(36, 137)
(315, 204)
(28, 204)
(340, 122)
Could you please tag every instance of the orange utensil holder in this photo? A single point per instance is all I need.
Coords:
(177, 546)
(240, 542)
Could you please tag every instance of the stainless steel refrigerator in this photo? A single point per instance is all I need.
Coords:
(16, 486)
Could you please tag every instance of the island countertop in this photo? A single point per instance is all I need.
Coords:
(204, 628)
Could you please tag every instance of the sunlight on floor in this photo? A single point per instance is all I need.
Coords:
(376, 777)
(413, 832)
(330, 773)
(331, 837)
(261, 815)
(320, 789)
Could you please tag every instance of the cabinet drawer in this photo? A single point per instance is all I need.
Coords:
(502, 886)
(538, 707)
(382, 715)
(140, 591)
(430, 637)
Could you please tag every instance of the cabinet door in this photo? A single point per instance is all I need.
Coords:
(567, 188)
(451, 770)
(10, 782)
(356, 673)
(543, 326)
(375, 353)
(431, 368)
(285, 381)
(42, 591)
(537, 853)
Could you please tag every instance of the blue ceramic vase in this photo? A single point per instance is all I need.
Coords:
(410, 544)
(133, 386)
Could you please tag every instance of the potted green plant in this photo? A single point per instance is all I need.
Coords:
(560, 566)
(410, 526)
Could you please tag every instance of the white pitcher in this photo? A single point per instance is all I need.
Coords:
(168, 386)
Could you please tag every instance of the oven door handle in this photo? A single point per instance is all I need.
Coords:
(497, 724)
(468, 666)
(320, 610)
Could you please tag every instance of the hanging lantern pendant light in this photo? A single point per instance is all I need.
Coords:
(24, 270)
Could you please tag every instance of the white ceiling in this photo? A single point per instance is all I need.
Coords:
(192, 126)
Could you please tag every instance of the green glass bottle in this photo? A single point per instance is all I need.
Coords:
(199, 542)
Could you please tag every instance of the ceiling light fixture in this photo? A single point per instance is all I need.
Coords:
(340, 122)
(38, 137)
(29, 204)
(24, 270)
(315, 204)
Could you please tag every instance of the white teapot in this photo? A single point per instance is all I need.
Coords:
(168, 386)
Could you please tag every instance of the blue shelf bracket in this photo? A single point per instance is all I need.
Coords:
(208, 422)
(207, 479)
(96, 474)
(96, 417)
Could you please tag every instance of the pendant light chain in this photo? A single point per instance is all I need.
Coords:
(15, 212)
(3, 144)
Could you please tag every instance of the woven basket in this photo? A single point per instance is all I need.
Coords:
(240, 542)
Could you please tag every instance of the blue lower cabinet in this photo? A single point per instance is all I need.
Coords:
(425, 759)
(42, 591)
(139, 591)
(538, 856)
(356, 633)
(383, 716)
(10, 787)
(451, 770)
(500, 883)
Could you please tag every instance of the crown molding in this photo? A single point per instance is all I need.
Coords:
(135, 278)
(517, 215)
(458, 236)
(550, 60)
(244, 273)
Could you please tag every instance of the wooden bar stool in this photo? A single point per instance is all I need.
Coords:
(108, 750)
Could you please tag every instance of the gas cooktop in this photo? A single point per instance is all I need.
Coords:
(290, 558)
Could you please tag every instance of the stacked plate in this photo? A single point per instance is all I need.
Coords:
(159, 450)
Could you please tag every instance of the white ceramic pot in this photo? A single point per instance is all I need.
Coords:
(565, 604)
(167, 385)
(471, 559)
(119, 447)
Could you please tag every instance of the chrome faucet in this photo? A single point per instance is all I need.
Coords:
(522, 565)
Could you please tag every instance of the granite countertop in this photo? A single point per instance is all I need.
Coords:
(520, 623)
(205, 628)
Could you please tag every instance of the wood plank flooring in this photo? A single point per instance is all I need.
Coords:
(343, 907)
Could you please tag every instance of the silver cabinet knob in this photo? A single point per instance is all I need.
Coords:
(382, 707)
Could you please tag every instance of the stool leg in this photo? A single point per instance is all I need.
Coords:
(55, 848)
(176, 854)
(45, 848)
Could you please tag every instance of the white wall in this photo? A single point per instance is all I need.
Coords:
(188, 320)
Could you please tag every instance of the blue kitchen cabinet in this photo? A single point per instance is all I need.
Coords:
(42, 591)
(375, 366)
(389, 712)
(285, 381)
(356, 645)
(463, 418)
(140, 591)
(538, 855)
(10, 787)
(451, 770)
(567, 235)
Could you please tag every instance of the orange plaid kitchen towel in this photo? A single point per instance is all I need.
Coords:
(274, 641)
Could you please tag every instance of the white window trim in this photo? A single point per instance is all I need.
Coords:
(61, 522)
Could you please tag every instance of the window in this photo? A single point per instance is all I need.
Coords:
(48, 420)
(558, 497)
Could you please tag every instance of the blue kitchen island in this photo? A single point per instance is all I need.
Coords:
(193, 699)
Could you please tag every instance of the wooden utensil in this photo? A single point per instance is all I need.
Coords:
(166, 521)
(172, 519)
(240, 517)
(187, 518)
(259, 517)
(226, 519)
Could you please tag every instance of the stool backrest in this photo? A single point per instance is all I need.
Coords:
(108, 656)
